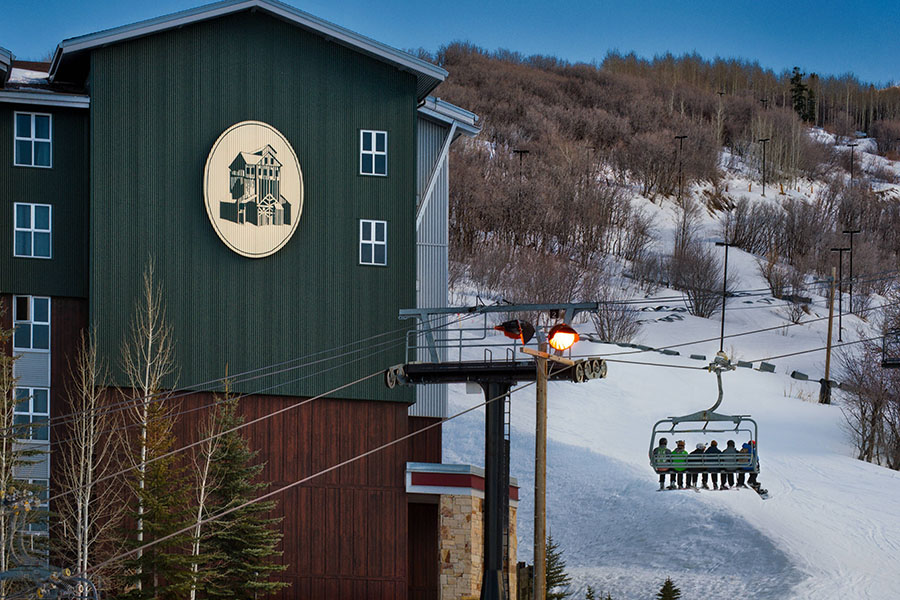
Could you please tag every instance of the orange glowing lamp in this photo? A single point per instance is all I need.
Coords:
(517, 330)
(562, 337)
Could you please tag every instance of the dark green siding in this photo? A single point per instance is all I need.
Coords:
(158, 105)
(65, 188)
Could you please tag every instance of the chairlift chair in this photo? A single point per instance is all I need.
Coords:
(890, 350)
(707, 422)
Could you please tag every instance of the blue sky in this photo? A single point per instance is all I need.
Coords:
(826, 36)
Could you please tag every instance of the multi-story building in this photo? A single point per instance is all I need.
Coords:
(289, 212)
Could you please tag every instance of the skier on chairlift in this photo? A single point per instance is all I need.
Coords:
(712, 459)
(694, 471)
(662, 455)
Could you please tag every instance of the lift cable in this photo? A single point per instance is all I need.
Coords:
(298, 482)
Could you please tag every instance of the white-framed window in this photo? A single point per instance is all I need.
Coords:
(31, 413)
(372, 152)
(372, 242)
(31, 320)
(32, 140)
(32, 225)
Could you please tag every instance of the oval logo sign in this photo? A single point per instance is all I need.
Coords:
(253, 189)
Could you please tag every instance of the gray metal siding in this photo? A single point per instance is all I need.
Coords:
(32, 369)
(36, 466)
(431, 252)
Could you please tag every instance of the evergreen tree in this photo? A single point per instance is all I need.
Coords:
(590, 594)
(240, 545)
(798, 93)
(160, 505)
(608, 596)
(811, 105)
(668, 591)
(160, 571)
(557, 579)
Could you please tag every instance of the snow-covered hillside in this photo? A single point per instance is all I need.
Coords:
(831, 528)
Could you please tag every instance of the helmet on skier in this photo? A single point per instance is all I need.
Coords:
(663, 441)
(701, 446)
(680, 443)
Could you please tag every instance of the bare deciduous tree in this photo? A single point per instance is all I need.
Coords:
(871, 405)
(90, 513)
(205, 482)
(147, 360)
(615, 321)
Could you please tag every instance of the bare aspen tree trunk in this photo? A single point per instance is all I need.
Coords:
(147, 358)
(202, 461)
(90, 453)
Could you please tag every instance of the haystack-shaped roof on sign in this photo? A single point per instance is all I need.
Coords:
(70, 61)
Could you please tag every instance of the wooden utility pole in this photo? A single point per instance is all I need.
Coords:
(540, 478)
(825, 391)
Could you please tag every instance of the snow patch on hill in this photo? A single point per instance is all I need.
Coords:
(831, 528)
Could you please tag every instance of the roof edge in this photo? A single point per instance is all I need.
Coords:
(44, 98)
(6, 59)
(440, 110)
(210, 11)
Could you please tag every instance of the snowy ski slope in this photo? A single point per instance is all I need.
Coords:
(831, 528)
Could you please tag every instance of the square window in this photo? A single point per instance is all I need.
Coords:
(31, 319)
(32, 225)
(373, 152)
(372, 242)
(33, 140)
(31, 413)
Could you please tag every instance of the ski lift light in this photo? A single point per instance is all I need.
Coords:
(562, 337)
(517, 330)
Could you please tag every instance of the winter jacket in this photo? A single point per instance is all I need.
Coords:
(745, 449)
(712, 458)
(679, 460)
(663, 456)
(696, 469)
(729, 455)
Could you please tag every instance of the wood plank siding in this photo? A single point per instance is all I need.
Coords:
(345, 533)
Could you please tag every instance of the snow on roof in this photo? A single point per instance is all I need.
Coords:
(27, 76)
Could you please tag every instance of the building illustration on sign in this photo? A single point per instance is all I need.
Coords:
(255, 190)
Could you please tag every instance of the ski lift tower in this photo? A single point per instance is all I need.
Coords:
(495, 376)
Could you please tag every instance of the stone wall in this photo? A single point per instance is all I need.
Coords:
(461, 546)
